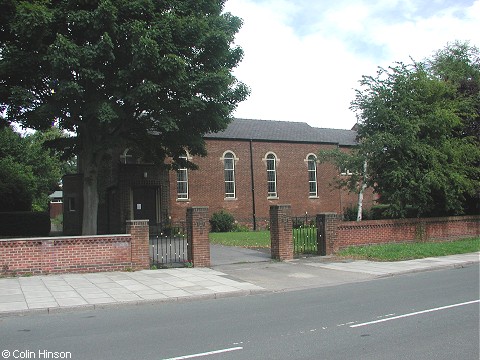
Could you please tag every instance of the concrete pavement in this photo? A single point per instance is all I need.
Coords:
(50, 293)
(54, 293)
(326, 271)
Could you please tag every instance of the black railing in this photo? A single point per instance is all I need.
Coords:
(168, 245)
(304, 235)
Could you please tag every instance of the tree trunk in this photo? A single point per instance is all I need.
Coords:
(362, 190)
(88, 164)
(90, 201)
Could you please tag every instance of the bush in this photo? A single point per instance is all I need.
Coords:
(350, 214)
(240, 228)
(381, 211)
(222, 221)
(24, 223)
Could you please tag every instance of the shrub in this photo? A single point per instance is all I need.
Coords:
(24, 223)
(240, 228)
(222, 221)
(350, 214)
(381, 211)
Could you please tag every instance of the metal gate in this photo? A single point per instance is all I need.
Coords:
(304, 235)
(169, 246)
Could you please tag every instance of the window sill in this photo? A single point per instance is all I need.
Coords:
(314, 197)
(183, 200)
(272, 197)
(230, 198)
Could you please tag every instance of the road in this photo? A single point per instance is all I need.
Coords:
(429, 315)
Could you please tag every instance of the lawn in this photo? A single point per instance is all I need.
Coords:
(385, 252)
(399, 252)
(305, 241)
(255, 239)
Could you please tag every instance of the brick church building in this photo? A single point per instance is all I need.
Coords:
(251, 165)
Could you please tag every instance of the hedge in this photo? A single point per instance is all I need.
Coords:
(24, 223)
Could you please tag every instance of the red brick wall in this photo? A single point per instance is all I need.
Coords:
(55, 209)
(60, 255)
(206, 185)
(197, 233)
(351, 233)
(76, 254)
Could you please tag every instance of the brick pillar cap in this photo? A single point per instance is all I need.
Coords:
(280, 206)
(137, 222)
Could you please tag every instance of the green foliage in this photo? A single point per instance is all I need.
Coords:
(58, 220)
(412, 131)
(188, 264)
(16, 185)
(24, 223)
(350, 214)
(29, 171)
(347, 162)
(240, 228)
(222, 221)
(152, 76)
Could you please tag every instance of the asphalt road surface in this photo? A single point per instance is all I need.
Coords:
(429, 315)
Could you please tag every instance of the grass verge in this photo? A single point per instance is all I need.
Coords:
(258, 239)
(399, 252)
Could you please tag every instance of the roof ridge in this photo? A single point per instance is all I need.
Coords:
(277, 130)
(292, 122)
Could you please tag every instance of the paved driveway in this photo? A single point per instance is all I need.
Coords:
(224, 255)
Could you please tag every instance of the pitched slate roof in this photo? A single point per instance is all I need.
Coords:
(285, 131)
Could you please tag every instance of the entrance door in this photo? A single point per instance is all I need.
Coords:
(145, 204)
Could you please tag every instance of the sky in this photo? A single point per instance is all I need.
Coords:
(303, 59)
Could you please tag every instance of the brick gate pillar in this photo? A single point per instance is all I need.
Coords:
(197, 235)
(281, 237)
(327, 224)
(140, 244)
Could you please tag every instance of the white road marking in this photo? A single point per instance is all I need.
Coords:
(415, 313)
(206, 353)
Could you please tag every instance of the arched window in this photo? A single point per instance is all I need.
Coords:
(127, 157)
(272, 175)
(229, 174)
(182, 181)
(312, 175)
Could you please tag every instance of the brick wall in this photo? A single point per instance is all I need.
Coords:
(206, 185)
(351, 233)
(76, 254)
(55, 209)
(197, 233)
(281, 232)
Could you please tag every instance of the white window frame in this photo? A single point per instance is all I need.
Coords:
(125, 156)
(229, 181)
(346, 172)
(269, 157)
(182, 179)
(312, 175)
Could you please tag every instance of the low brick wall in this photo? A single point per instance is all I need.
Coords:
(77, 254)
(69, 254)
(352, 233)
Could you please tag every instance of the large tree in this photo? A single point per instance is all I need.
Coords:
(413, 133)
(144, 74)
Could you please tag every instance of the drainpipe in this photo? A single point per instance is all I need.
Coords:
(253, 186)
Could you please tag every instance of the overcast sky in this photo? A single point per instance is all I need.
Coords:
(304, 58)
